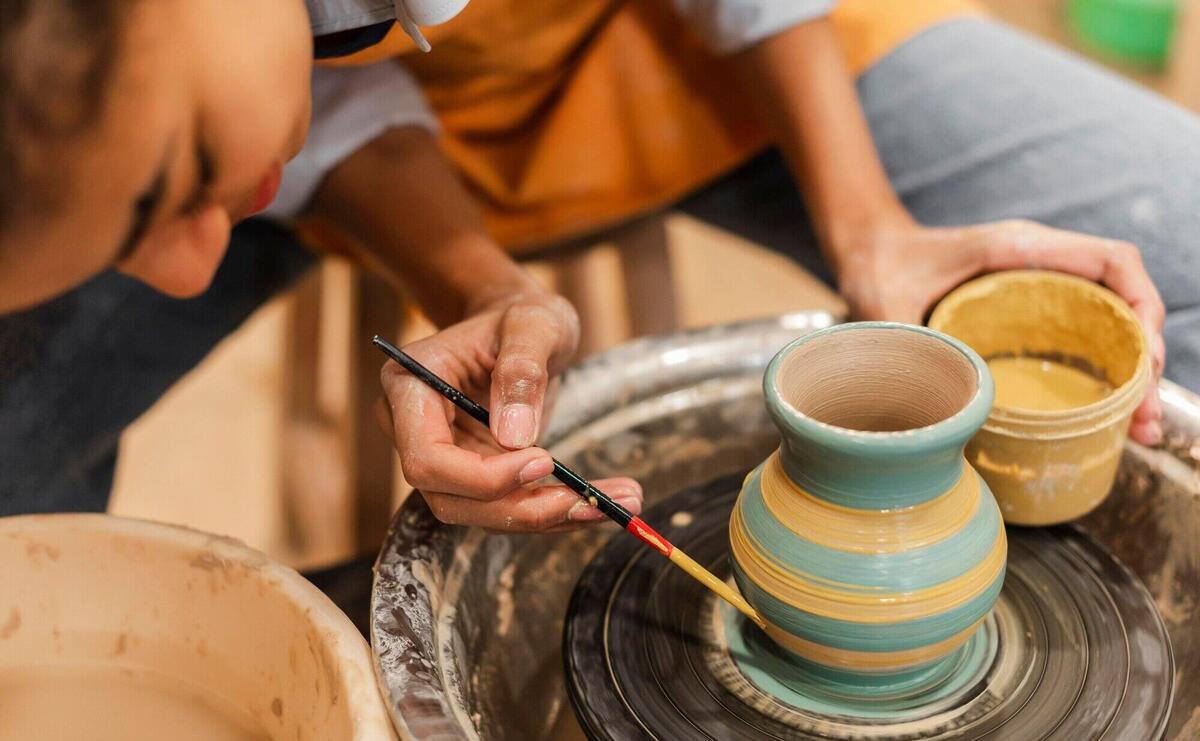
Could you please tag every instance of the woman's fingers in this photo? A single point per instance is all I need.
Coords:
(549, 508)
(1126, 275)
(1146, 427)
(1117, 265)
(429, 456)
(531, 336)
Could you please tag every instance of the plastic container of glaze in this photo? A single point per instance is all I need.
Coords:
(1049, 467)
(114, 629)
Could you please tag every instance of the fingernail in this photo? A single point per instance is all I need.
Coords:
(1155, 433)
(631, 502)
(517, 426)
(581, 511)
(536, 469)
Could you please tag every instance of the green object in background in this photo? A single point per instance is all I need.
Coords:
(1137, 31)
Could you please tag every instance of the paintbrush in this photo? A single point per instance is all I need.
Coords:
(580, 486)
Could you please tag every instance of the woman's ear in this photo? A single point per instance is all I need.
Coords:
(181, 257)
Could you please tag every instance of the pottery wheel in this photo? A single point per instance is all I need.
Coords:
(1076, 649)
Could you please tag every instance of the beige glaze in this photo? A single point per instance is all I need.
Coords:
(1047, 466)
(1044, 385)
(119, 627)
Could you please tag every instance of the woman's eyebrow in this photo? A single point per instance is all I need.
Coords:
(206, 169)
(144, 209)
(148, 204)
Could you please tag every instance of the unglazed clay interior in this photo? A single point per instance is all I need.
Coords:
(118, 630)
(877, 380)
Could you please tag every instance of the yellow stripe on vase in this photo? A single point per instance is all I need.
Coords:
(868, 531)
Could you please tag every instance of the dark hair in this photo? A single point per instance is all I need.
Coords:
(56, 59)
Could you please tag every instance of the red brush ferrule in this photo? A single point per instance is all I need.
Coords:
(650, 536)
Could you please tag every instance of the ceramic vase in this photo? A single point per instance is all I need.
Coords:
(866, 541)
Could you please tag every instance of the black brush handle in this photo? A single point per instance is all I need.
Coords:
(574, 481)
(434, 381)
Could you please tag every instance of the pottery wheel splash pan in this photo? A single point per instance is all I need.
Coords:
(1078, 650)
(467, 626)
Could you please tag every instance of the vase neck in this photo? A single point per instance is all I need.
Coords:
(875, 415)
(871, 477)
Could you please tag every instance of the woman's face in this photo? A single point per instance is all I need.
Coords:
(208, 101)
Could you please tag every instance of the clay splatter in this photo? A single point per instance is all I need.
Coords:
(504, 600)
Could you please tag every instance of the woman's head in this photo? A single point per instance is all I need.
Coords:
(134, 132)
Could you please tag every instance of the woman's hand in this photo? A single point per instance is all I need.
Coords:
(505, 338)
(888, 266)
(506, 353)
(900, 271)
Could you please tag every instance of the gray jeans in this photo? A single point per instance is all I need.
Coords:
(974, 121)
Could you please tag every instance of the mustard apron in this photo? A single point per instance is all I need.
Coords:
(563, 116)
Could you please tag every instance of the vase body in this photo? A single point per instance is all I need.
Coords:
(866, 541)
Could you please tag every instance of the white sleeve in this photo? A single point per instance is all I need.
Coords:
(351, 106)
(729, 26)
(332, 16)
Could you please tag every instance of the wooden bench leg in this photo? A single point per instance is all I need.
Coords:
(621, 286)
(373, 456)
(317, 524)
(649, 284)
(586, 279)
(338, 466)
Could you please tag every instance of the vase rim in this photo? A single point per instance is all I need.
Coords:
(953, 430)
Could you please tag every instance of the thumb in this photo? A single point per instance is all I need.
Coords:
(907, 308)
(529, 336)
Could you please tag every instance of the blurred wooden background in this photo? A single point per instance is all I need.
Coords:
(245, 445)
